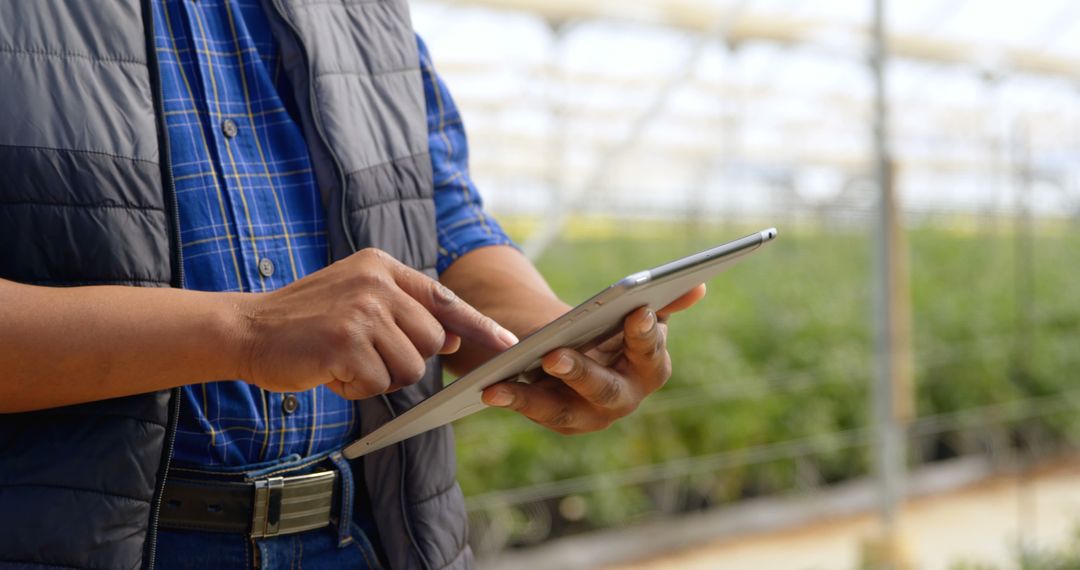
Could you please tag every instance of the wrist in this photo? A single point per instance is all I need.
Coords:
(236, 333)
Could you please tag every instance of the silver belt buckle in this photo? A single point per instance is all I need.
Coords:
(287, 505)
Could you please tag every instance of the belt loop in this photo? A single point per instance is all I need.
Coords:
(347, 490)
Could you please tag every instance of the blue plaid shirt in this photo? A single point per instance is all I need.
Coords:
(251, 217)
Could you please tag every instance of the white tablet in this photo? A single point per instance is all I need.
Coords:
(584, 326)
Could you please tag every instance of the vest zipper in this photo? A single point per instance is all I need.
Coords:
(177, 262)
(280, 8)
(170, 440)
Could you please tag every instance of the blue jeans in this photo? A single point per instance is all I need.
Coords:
(313, 550)
(344, 544)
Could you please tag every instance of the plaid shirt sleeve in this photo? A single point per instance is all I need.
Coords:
(463, 224)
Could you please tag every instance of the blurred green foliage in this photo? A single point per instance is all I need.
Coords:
(781, 349)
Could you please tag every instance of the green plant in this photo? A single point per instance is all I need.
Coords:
(781, 350)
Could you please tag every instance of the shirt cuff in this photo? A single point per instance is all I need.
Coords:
(478, 231)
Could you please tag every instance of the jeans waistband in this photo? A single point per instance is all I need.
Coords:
(285, 466)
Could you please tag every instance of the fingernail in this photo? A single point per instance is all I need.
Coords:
(562, 365)
(501, 398)
(648, 322)
(506, 336)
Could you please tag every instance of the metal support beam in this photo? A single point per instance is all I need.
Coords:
(892, 321)
(777, 27)
(536, 245)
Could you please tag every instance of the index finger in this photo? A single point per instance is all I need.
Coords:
(646, 347)
(454, 314)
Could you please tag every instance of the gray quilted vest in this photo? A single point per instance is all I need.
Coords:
(86, 198)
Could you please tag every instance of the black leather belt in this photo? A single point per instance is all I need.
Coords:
(266, 507)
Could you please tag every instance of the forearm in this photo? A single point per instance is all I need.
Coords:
(61, 346)
(503, 284)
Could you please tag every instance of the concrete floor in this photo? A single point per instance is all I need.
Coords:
(978, 523)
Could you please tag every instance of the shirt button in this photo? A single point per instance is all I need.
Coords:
(290, 403)
(228, 126)
(266, 267)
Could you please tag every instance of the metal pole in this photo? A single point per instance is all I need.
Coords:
(1024, 282)
(557, 139)
(891, 390)
(1024, 256)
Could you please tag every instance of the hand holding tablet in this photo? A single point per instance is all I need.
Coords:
(582, 328)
